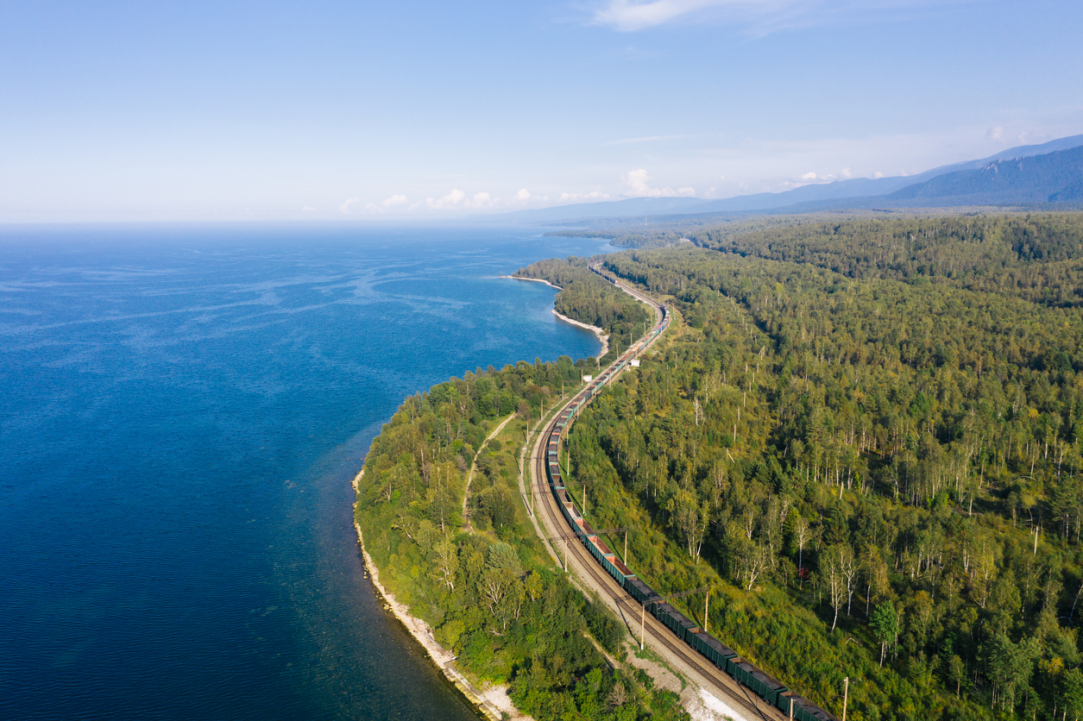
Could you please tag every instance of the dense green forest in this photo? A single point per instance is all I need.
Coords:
(865, 436)
(871, 436)
(488, 588)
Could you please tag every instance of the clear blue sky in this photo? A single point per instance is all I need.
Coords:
(270, 110)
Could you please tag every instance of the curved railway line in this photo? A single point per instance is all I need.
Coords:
(759, 702)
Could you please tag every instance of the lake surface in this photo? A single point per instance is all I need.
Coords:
(182, 411)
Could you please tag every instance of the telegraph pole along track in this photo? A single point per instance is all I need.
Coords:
(588, 571)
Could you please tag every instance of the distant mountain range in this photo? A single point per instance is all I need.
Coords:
(1047, 173)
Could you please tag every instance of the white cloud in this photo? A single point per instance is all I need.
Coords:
(481, 200)
(450, 200)
(758, 17)
(809, 176)
(630, 15)
(845, 173)
(878, 175)
(347, 204)
(394, 200)
(996, 132)
(523, 195)
(638, 187)
(308, 209)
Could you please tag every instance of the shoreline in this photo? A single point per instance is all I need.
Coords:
(531, 280)
(598, 332)
(493, 703)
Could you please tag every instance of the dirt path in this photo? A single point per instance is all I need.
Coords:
(473, 463)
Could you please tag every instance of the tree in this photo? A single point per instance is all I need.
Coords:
(885, 623)
(801, 536)
(849, 571)
(833, 569)
(1009, 666)
(691, 520)
(876, 581)
(1073, 692)
(446, 561)
(956, 672)
(535, 586)
(754, 559)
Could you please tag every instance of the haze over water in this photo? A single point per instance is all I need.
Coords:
(182, 412)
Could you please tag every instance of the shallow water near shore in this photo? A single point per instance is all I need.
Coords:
(183, 411)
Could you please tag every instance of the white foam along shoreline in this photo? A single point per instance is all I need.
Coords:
(492, 703)
(532, 280)
(602, 337)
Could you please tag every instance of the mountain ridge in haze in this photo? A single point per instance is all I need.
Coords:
(855, 192)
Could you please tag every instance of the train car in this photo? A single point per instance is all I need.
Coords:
(602, 548)
(641, 592)
(676, 621)
(801, 709)
(620, 568)
(771, 688)
(714, 650)
(569, 513)
(763, 684)
(556, 478)
(609, 563)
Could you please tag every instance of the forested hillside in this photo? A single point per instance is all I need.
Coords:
(881, 465)
(488, 588)
(865, 437)
(1051, 177)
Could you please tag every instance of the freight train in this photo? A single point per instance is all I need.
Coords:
(759, 682)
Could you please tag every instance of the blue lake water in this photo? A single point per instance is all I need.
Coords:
(181, 412)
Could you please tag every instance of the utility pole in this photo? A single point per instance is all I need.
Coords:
(565, 539)
(660, 599)
(625, 529)
(845, 695)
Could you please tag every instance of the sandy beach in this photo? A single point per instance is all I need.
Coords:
(602, 337)
(598, 332)
(532, 280)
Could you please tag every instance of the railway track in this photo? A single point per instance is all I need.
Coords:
(660, 636)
